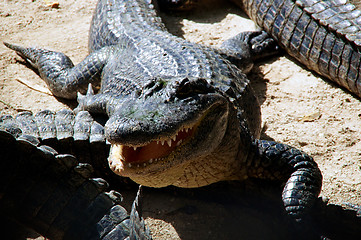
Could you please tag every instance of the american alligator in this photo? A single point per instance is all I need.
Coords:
(57, 196)
(179, 113)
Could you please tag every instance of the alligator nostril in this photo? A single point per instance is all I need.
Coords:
(153, 86)
(150, 83)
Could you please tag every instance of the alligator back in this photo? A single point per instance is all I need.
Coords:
(323, 35)
(111, 21)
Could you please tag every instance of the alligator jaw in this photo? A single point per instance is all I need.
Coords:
(126, 157)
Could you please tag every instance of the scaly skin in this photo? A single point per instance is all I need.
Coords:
(146, 103)
(82, 136)
(179, 113)
(54, 195)
(322, 35)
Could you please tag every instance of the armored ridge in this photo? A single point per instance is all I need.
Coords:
(323, 35)
(79, 135)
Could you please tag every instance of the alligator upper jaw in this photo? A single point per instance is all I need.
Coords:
(126, 157)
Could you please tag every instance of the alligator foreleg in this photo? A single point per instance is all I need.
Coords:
(58, 71)
(298, 170)
(247, 47)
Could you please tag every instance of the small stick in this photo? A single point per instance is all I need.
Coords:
(34, 87)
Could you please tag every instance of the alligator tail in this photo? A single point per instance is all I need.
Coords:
(78, 134)
(138, 228)
(55, 195)
(323, 35)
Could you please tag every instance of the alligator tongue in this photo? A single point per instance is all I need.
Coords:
(155, 149)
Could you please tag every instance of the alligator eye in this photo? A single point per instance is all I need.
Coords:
(190, 87)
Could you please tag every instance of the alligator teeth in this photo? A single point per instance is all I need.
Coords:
(174, 137)
(135, 148)
(150, 160)
(179, 143)
(169, 141)
(144, 164)
(162, 142)
(129, 165)
(138, 165)
(187, 130)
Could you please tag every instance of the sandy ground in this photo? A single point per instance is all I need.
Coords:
(298, 107)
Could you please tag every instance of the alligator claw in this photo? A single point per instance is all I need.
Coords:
(90, 91)
(262, 45)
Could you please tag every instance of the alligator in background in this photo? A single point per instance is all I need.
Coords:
(322, 35)
(55, 194)
(165, 123)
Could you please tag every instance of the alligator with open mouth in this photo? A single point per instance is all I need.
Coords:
(178, 113)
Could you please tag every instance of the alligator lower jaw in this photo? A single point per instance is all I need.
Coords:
(126, 157)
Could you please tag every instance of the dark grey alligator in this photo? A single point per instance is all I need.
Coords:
(322, 35)
(56, 195)
(179, 113)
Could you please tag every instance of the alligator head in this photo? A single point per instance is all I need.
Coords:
(165, 130)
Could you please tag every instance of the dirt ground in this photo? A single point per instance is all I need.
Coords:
(298, 107)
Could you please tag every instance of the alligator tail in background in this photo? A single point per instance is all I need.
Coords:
(323, 35)
(139, 229)
(54, 195)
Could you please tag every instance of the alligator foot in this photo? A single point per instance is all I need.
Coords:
(58, 71)
(247, 47)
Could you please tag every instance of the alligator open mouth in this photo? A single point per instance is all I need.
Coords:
(141, 156)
